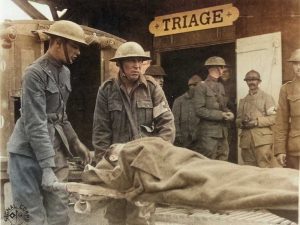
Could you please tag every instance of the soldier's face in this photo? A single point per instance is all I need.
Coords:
(73, 50)
(296, 68)
(132, 68)
(253, 84)
(221, 70)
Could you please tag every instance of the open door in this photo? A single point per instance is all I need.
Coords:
(261, 53)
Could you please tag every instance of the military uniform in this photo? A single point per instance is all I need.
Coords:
(42, 131)
(186, 121)
(287, 129)
(256, 143)
(152, 115)
(210, 103)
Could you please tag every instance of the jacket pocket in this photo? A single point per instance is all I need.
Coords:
(52, 88)
(262, 136)
(115, 111)
(145, 112)
(245, 139)
(52, 96)
(294, 141)
(211, 100)
(294, 101)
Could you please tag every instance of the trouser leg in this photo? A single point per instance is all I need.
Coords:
(116, 212)
(123, 212)
(264, 156)
(293, 161)
(248, 157)
(140, 213)
(208, 146)
(222, 149)
(56, 202)
(25, 177)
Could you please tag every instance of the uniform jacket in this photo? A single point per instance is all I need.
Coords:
(210, 103)
(186, 121)
(43, 110)
(148, 106)
(287, 132)
(260, 107)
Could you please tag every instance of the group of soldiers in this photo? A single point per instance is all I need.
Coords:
(129, 105)
(269, 134)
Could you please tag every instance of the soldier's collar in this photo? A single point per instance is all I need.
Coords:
(52, 60)
(142, 80)
(210, 78)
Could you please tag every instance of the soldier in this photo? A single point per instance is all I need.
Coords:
(129, 107)
(186, 121)
(157, 72)
(287, 132)
(43, 137)
(256, 115)
(211, 107)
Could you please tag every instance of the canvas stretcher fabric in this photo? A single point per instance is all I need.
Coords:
(153, 170)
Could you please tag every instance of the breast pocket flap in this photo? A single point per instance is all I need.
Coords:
(115, 106)
(145, 104)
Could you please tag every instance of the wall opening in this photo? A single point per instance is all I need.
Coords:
(85, 81)
(182, 64)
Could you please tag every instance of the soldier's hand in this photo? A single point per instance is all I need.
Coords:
(228, 116)
(48, 179)
(250, 124)
(281, 158)
(82, 151)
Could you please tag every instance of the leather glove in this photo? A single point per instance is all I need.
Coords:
(48, 179)
(281, 158)
(82, 151)
(248, 124)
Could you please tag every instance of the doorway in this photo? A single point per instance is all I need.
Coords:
(85, 82)
(180, 65)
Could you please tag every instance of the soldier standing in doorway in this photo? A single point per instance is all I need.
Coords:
(256, 114)
(186, 121)
(43, 137)
(211, 107)
(157, 72)
(287, 129)
(129, 107)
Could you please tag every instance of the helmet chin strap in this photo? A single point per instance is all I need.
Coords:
(64, 43)
(122, 73)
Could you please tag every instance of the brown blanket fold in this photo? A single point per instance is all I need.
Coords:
(154, 170)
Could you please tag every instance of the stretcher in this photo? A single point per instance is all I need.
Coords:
(152, 170)
(174, 215)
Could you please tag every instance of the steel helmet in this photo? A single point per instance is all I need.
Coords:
(130, 49)
(67, 29)
(155, 70)
(252, 75)
(215, 61)
(194, 80)
(295, 57)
